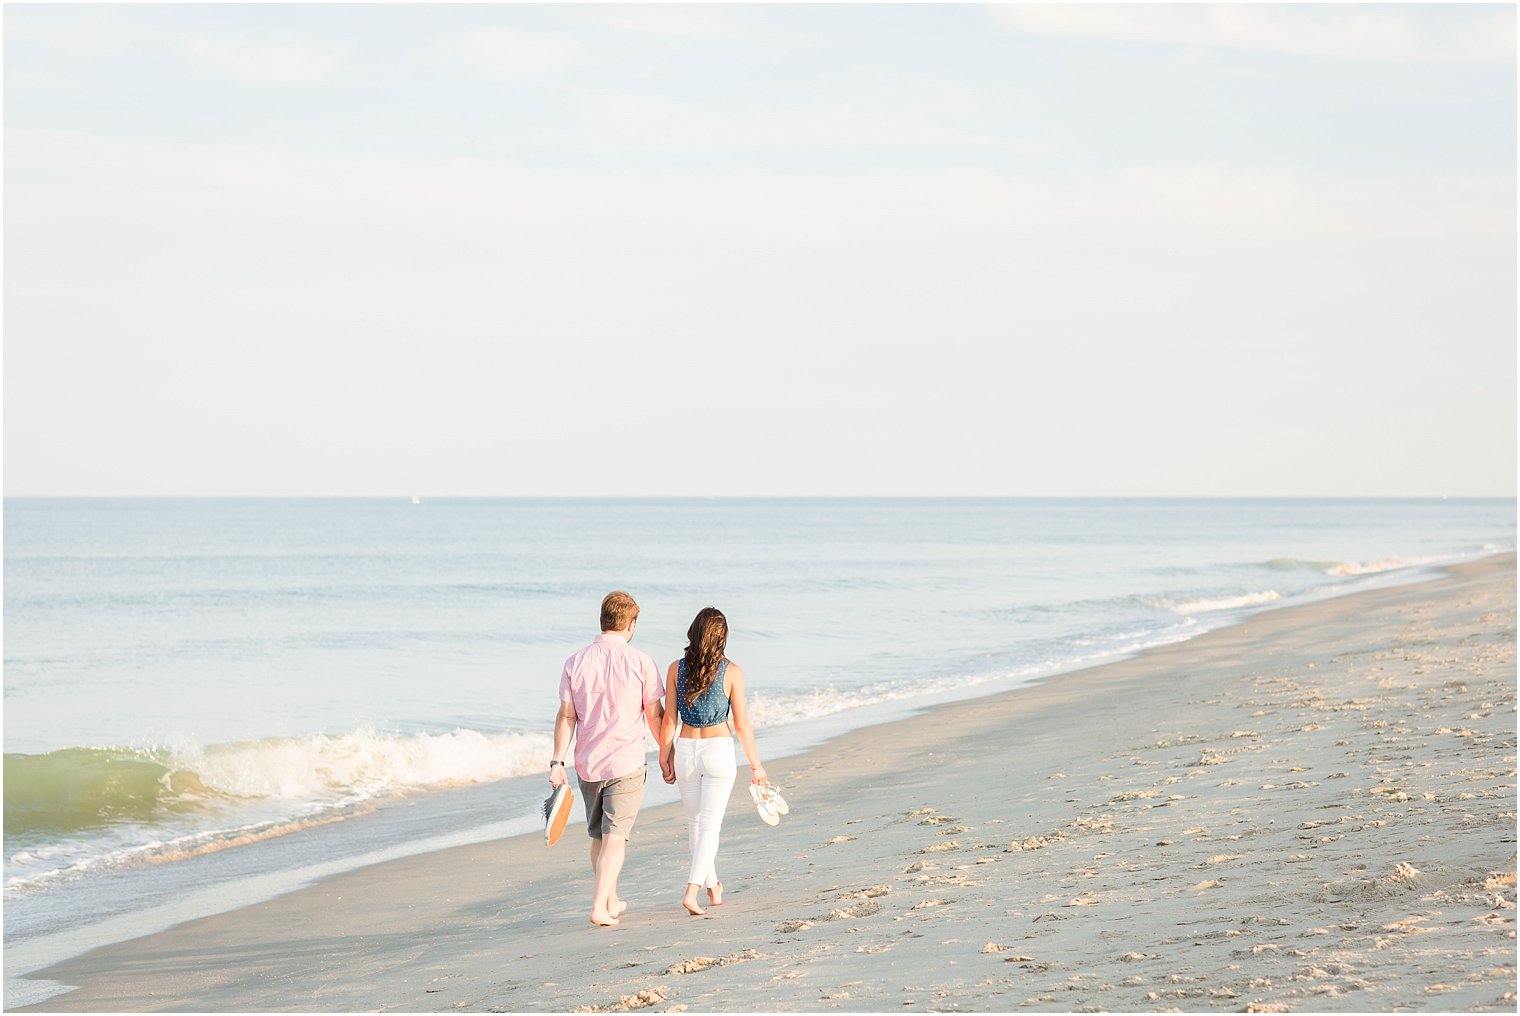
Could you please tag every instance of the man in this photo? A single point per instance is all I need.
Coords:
(609, 694)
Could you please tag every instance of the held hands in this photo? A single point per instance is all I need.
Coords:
(668, 765)
(757, 774)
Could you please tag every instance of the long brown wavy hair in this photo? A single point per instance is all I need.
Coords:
(705, 641)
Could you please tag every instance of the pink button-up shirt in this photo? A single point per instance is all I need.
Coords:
(609, 683)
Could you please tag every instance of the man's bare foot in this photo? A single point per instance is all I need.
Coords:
(715, 895)
(603, 920)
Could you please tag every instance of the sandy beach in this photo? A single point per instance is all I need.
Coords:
(1313, 811)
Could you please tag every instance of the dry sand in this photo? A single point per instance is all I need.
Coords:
(1312, 811)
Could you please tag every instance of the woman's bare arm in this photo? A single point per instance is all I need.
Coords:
(742, 725)
(668, 726)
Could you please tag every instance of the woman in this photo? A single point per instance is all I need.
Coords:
(704, 694)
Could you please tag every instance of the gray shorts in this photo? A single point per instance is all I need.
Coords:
(612, 805)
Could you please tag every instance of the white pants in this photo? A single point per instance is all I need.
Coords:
(705, 771)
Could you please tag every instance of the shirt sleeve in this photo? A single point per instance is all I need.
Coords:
(564, 685)
(654, 684)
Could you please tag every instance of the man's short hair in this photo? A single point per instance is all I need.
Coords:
(618, 610)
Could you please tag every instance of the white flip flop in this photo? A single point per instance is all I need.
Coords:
(777, 800)
(764, 804)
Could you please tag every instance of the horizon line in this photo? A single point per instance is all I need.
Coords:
(757, 497)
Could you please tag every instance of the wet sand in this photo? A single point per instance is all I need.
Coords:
(1313, 811)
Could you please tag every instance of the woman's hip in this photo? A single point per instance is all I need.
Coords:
(712, 756)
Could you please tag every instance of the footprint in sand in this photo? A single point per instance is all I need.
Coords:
(1133, 795)
(1034, 842)
(863, 909)
(641, 1000)
(699, 963)
(867, 893)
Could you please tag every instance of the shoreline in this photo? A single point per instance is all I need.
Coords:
(456, 810)
(208, 896)
(450, 906)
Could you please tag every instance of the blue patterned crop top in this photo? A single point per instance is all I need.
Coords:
(711, 708)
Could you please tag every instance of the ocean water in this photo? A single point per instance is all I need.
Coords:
(209, 701)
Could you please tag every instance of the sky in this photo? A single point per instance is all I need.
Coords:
(760, 250)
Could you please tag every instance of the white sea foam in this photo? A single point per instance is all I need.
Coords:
(247, 792)
(1130, 641)
(1205, 604)
(771, 709)
(1296, 564)
(781, 707)
(362, 764)
(777, 708)
(1345, 568)
(78, 859)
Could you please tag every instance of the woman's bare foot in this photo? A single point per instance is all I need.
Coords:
(689, 901)
(603, 920)
(617, 908)
(715, 895)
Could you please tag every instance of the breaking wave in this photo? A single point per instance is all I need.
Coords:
(1299, 564)
(75, 789)
(1205, 604)
(1345, 568)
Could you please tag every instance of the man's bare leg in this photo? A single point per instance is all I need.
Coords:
(605, 906)
(618, 904)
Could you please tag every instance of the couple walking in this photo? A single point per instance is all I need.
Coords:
(609, 694)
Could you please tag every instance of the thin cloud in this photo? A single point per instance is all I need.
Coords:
(32, 81)
(1484, 35)
(900, 113)
(102, 34)
(69, 32)
(498, 53)
(188, 183)
(685, 21)
(278, 62)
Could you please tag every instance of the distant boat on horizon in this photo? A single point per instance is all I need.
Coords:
(416, 499)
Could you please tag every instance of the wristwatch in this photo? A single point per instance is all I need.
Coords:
(555, 762)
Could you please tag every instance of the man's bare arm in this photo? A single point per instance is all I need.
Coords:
(654, 715)
(564, 732)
